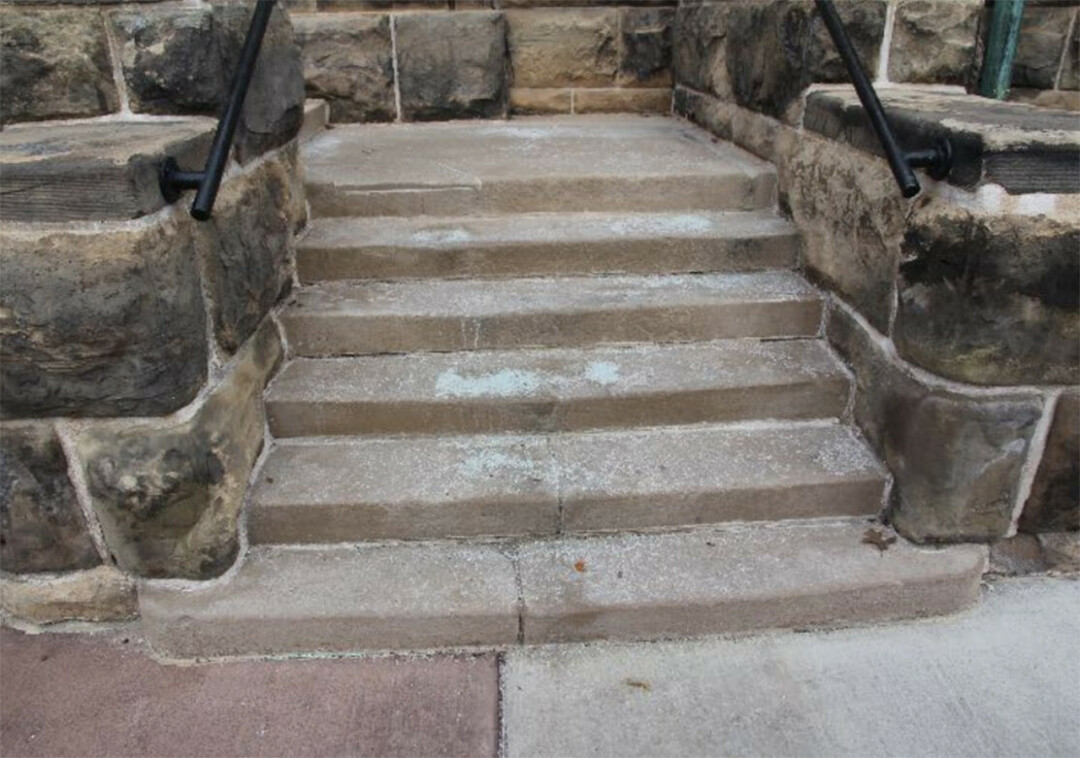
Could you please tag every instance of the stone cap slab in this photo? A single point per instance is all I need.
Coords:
(1022, 147)
(95, 170)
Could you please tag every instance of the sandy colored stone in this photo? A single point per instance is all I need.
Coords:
(622, 100)
(42, 527)
(557, 389)
(934, 41)
(341, 599)
(55, 65)
(563, 47)
(645, 42)
(168, 492)
(545, 244)
(633, 587)
(98, 594)
(348, 63)
(1054, 503)
(540, 100)
(1044, 33)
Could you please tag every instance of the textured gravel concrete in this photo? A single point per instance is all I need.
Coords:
(72, 695)
(1002, 680)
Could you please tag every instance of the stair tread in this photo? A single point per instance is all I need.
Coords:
(421, 488)
(412, 596)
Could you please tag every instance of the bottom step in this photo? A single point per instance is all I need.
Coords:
(624, 587)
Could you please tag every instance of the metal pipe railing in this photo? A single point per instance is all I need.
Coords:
(206, 182)
(937, 159)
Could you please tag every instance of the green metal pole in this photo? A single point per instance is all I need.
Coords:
(1001, 48)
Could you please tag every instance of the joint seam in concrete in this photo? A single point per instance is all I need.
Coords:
(117, 65)
(1063, 61)
(882, 75)
(394, 61)
(1036, 448)
(66, 435)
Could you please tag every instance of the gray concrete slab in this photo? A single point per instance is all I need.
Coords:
(92, 695)
(1001, 680)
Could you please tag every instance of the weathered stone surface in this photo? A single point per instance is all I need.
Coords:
(934, 41)
(106, 322)
(99, 594)
(1016, 556)
(645, 47)
(527, 100)
(699, 53)
(622, 100)
(783, 47)
(41, 527)
(1044, 32)
(852, 219)
(956, 458)
(1021, 147)
(348, 62)
(1070, 66)
(452, 65)
(1054, 504)
(246, 248)
(181, 59)
(991, 299)
(1061, 551)
(94, 171)
(54, 64)
(564, 47)
(169, 493)
(1059, 99)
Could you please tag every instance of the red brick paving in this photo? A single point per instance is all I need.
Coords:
(79, 695)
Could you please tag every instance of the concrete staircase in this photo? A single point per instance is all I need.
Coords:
(552, 380)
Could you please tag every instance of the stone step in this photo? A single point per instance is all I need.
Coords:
(560, 389)
(405, 488)
(94, 170)
(544, 244)
(530, 165)
(623, 587)
(364, 318)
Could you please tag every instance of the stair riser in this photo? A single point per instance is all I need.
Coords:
(539, 195)
(825, 398)
(315, 335)
(511, 516)
(633, 256)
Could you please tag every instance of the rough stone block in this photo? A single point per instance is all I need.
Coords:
(103, 322)
(699, 53)
(168, 493)
(1070, 66)
(100, 594)
(784, 47)
(452, 65)
(246, 248)
(348, 62)
(576, 47)
(94, 171)
(527, 100)
(628, 100)
(956, 458)
(645, 47)
(1044, 32)
(991, 299)
(852, 217)
(54, 63)
(41, 526)
(1054, 504)
(180, 59)
(934, 41)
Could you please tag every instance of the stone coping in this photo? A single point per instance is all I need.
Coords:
(1021, 147)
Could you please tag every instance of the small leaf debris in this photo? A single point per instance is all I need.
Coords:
(878, 539)
(639, 684)
(580, 567)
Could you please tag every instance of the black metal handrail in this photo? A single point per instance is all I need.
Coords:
(938, 159)
(174, 180)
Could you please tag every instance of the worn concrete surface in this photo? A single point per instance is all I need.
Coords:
(366, 318)
(557, 389)
(430, 488)
(541, 244)
(75, 695)
(1001, 680)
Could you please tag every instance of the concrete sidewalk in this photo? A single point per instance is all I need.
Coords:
(1003, 680)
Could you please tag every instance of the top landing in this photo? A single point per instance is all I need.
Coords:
(544, 164)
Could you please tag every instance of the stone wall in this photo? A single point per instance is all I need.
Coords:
(1046, 70)
(135, 342)
(415, 61)
(958, 311)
